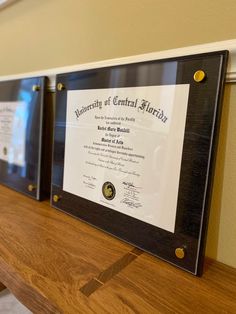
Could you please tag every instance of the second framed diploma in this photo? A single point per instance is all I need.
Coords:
(25, 154)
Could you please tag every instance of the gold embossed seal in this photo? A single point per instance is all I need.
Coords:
(108, 190)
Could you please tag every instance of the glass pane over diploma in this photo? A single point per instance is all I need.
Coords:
(21, 110)
(13, 119)
(128, 137)
(134, 148)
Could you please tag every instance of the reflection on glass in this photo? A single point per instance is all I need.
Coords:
(16, 127)
(13, 120)
(126, 138)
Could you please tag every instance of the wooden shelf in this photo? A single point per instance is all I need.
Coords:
(54, 263)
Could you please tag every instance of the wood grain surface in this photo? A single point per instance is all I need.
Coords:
(47, 259)
(2, 287)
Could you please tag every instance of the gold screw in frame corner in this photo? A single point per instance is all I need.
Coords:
(35, 88)
(60, 86)
(199, 76)
(180, 252)
(31, 187)
(56, 198)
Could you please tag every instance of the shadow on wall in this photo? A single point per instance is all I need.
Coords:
(216, 203)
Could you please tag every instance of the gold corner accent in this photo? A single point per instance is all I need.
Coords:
(56, 198)
(31, 187)
(35, 88)
(180, 252)
(60, 86)
(199, 76)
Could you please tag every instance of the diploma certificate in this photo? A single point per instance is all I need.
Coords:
(123, 149)
(13, 119)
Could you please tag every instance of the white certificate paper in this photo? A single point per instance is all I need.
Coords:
(123, 149)
(13, 119)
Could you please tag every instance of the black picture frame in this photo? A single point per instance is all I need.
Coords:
(198, 156)
(33, 177)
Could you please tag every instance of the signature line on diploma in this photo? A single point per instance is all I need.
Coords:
(130, 204)
(130, 185)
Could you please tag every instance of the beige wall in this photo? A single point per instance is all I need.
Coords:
(50, 33)
(221, 243)
(37, 35)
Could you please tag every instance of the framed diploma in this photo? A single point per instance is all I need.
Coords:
(134, 149)
(22, 123)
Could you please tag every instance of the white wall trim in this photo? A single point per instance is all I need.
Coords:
(215, 46)
(4, 3)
